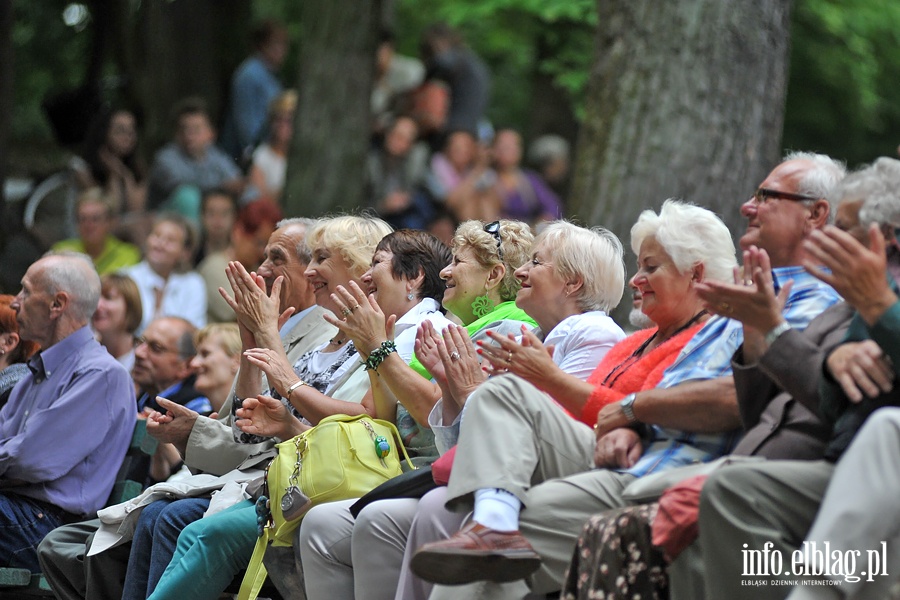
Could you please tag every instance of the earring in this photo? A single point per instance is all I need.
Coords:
(482, 305)
(410, 296)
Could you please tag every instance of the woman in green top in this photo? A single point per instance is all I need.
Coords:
(480, 292)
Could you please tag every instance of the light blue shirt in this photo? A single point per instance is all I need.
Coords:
(708, 356)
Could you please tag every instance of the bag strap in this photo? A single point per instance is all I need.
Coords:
(256, 573)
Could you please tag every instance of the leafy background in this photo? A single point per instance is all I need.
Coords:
(842, 95)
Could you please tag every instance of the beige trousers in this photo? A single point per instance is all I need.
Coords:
(514, 437)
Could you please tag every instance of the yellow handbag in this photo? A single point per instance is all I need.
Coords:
(342, 457)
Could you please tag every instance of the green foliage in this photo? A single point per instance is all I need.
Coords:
(841, 95)
(844, 64)
(507, 34)
(49, 56)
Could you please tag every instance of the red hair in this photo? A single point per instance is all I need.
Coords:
(8, 324)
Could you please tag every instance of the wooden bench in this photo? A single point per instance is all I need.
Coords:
(22, 583)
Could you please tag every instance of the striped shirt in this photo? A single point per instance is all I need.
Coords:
(708, 356)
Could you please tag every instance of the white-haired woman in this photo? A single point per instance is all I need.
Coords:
(521, 430)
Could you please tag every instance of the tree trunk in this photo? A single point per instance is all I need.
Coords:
(184, 48)
(326, 165)
(552, 109)
(686, 99)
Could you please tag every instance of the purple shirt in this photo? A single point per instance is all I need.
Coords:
(531, 200)
(67, 425)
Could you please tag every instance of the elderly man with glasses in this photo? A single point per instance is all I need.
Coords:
(162, 366)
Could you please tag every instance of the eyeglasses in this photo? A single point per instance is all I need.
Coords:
(763, 194)
(494, 230)
(154, 347)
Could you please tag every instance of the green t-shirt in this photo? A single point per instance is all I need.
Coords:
(506, 311)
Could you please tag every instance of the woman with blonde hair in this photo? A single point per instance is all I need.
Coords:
(217, 360)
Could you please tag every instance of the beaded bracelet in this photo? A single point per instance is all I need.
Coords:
(377, 356)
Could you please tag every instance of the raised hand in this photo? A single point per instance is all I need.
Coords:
(255, 309)
(529, 358)
(266, 416)
(360, 318)
(857, 273)
(275, 365)
(751, 299)
(463, 370)
(426, 346)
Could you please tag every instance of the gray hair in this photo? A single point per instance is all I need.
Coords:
(690, 235)
(596, 255)
(548, 148)
(74, 274)
(303, 251)
(882, 204)
(820, 180)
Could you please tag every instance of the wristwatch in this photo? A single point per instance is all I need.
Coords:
(776, 332)
(627, 406)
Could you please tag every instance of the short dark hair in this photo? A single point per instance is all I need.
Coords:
(434, 33)
(265, 30)
(192, 105)
(218, 192)
(414, 252)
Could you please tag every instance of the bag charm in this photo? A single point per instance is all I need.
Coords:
(382, 447)
(294, 503)
(262, 515)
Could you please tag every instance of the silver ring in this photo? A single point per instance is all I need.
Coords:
(455, 355)
(346, 312)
